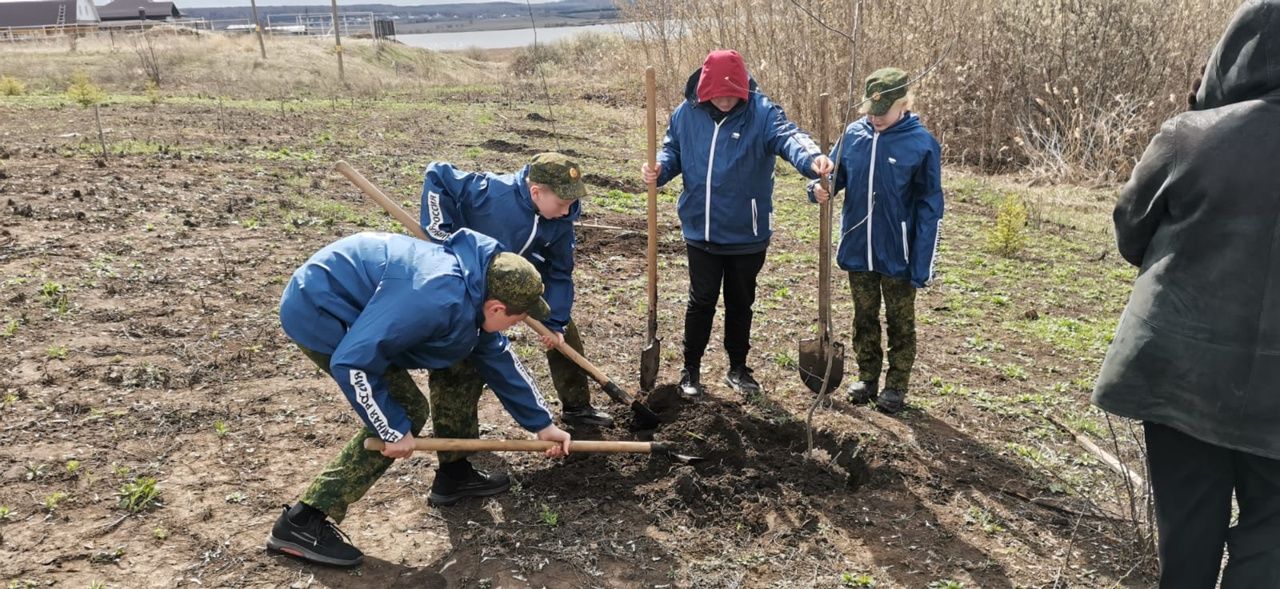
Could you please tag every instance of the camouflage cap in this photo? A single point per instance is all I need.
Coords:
(885, 86)
(514, 282)
(559, 173)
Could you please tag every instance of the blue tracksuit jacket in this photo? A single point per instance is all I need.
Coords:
(376, 300)
(500, 206)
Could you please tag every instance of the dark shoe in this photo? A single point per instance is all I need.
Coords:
(863, 391)
(892, 401)
(447, 490)
(317, 540)
(739, 377)
(690, 388)
(586, 415)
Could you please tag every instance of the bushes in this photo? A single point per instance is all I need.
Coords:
(10, 86)
(1072, 90)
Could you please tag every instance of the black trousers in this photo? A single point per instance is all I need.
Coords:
(1193, 482)
(707, 272)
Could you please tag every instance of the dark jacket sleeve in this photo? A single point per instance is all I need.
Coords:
(1143, 200)
(445, 191)
(787, 140)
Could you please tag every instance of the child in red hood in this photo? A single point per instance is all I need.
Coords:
(724, 140)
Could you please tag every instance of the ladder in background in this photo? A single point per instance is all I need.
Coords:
(62, 14)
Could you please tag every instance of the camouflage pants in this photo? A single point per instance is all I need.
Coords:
(455, 393)
(900, 314)
(570, 381)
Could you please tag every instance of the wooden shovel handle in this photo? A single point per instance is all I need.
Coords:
(467, 445)
(651, 124)
(568, 351)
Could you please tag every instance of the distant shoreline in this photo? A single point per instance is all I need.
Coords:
(487, 24)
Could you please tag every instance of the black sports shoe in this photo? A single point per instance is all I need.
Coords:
(739, 377)
(447, 490)
(586, 415)
(690, 388)
(863, 391)
(317, 540)
(892, 400)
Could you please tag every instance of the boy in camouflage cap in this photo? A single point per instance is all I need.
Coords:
(530, 212)
(371, 306)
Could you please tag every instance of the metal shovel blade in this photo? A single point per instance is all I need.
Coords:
(649, 361)
(814, 356)
(669, 450)
(645, 418)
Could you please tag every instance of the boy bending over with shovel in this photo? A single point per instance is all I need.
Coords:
(530, 212)
(369, 307)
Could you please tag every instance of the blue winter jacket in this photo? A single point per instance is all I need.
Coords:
(900, 168)
(728, 166)
(502, 208)
(376, 300)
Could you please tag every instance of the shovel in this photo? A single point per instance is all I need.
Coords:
(821, 359)
(472, 445)
(645, 418)
(650, 356)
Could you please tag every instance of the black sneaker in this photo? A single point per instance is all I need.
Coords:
(690, 388)
(317, 540)
(892, 401)
(446, 490)
(863, 391)
(739, 377)
(586, 415)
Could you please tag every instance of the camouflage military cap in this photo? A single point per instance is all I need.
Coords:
(516, 283)
(559, 173)
(885, 86)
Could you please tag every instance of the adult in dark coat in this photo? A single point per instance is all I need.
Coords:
(1196, 356)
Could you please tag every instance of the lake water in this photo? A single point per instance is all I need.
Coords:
(504, 39)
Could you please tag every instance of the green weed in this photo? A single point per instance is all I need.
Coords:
(5, 512)
(73, 466)
(862, 580)
(220, 428)
(56, 352)
(53, 500)
(139, 494)
(984, 520)
(946, 584)
(10, 328)
(549, 517)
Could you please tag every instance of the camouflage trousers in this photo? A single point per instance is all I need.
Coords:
(455, 394)
(569, 380)
(900, 314)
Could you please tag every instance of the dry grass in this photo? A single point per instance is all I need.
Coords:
(222, 65)
(1070, 90)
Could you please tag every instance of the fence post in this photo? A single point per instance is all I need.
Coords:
(337, 43)
(257, 28)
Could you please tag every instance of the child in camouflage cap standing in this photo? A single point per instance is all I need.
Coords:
(369, 307)
(530, 212)
(890, 169)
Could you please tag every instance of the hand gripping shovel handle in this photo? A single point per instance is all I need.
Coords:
(648, 418)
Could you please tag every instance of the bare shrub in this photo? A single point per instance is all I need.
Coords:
(1071, 90)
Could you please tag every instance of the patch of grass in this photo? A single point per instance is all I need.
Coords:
(34, 471)
(5, 512)
(473, 152)
(11, 86)
(860, 580)
(984, 520)
(221, 429)
(160, 533)
(236, 497)
(97, 584)
(10, 328)
(139, 494)
(284, 154)
(53, 500)
(784, 359)
(946, 584)
(56, 352)
(549, 517)
(73, 466)
(1077, 336)
(620, 202)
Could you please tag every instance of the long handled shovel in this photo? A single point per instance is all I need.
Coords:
(651, 355)
(645, 418)
(821, 359)
(473, 445)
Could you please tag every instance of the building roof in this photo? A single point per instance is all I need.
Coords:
(128, 9)
(36, 14)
